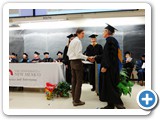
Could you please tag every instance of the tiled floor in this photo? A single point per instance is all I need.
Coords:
(37, 100)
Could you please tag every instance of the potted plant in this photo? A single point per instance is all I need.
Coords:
(125, 86)
(62, 89)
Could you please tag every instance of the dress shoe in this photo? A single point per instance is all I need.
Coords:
(93, 89)
(108, 107)
(120, 106)
(78, 103)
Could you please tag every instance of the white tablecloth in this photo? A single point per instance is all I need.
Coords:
(35, 75)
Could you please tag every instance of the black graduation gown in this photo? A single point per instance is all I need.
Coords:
(66, 62)
(94, 51)
(108, 90)
(47, 60)
(59, 59)
(13, 60)
(36, 60)
(25, 61)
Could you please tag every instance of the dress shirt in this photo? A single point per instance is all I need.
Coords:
(75, 50)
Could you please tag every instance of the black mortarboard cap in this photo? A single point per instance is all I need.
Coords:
(14, 54)
(69, 36)
(93, 36)
(59, 52)
(36, 53)
(25, 54)
(111, 28)
(46, 53)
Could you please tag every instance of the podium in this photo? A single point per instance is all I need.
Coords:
(87, 71)
(97, 76)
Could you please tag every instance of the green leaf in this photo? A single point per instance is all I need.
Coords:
(124, 86)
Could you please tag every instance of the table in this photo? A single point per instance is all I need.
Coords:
(35, 75)
(87, 71)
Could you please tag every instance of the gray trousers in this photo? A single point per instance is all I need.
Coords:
(77, 78)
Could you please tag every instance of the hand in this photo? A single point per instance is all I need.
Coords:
(127, 61)
(103, 70)
(91, 59)
(66, 66)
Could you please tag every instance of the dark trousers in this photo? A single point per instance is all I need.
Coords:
(141, 75)
(77, 78)
(129, 72)
(68, 74)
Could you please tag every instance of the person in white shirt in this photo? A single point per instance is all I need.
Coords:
(75, 56)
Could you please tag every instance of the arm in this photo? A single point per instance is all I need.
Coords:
(78, 51)
(132, 63)
(87, 51)
(110, 54)
(65, 58)
(138, 65)
(99, 56)
(104, 62)
(124, 63)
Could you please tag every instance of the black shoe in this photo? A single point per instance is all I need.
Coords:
(108, 107)
(93, 89)
(120, 106)
(78, 103)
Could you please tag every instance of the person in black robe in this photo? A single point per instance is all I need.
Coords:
(66, 59)
(110, 70)
(128, 63)
(36, 57)
(14, 58)
(95, 50)
(60, 56)
(47, 58)
(25, 58)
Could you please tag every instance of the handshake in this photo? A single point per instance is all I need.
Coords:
(91, 59)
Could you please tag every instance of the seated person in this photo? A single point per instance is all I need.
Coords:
(140, 68)
(13, 58)
(128, 63)
(60, 57)
(36, 57)
(25, 58)
(47, 58)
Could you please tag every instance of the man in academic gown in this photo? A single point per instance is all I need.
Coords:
(14, 58)
(47, 58)
(60, 56)
(95, 50)
(36, 57)
(110, 70)
(66, 59)
(25, 58)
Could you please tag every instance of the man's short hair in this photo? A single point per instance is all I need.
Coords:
(79, 30)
